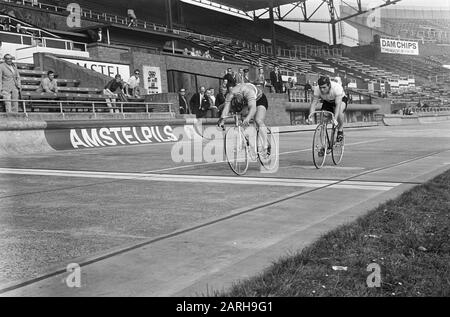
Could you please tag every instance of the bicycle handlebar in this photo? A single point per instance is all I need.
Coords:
(322, 112)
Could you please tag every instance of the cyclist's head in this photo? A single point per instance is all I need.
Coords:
(324, 84)
(237, 103)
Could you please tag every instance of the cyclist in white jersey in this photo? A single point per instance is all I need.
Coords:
(333, 99)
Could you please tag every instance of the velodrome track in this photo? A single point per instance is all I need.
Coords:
(141, 225)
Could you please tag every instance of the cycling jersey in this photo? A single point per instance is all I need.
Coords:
(336, 90)
(250, 93)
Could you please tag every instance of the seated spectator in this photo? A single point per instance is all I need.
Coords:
(207, 55)
(114, 90)
(132, 86)
(132, 17)
(184, 106)
(193, 52)
(49, 83)
(186, 52)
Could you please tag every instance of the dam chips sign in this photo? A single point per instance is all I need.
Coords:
(391, 46)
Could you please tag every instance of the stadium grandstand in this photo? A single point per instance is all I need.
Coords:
(104, 35)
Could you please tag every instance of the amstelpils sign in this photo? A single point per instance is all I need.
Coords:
(391, 46)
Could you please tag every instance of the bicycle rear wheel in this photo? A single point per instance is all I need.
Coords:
(320, 146)
(236, 150)
(268, 158)
(337, 152)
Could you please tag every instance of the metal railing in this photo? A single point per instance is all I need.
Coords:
(94, 107)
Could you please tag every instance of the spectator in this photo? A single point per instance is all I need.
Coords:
(212, 102)
(240, 77)
(207, 55)
(212, 94)
(308, 90)
(199, 103)
(10, 84)
(184, 106)
(100, 35)
(49, 83)
(1, 50)
(220, 100)
(289, 85)
(224, 83)
(132, 17)
(114, 90)
(261, 77)
(186, 52)
(132, 86)
(246, 79)
(276, 80)
(230, 79)
(193, 52)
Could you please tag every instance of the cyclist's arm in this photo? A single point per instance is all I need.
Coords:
(338, 102)
(314, 104)
(251, 109)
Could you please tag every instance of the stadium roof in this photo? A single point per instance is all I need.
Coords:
(250, 5)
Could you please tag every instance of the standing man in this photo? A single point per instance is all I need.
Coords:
(184, 106)
(230, 79)
(212, 102)
(132, 86)
(10, 86)
(276, 80)
(240, 77)
(308, 89)
(132, 17)
(199, 103)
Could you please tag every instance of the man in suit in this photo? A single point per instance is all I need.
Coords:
(220, 100)
(184, 106)
(276, 80)
(10, 84)
(200, 103)
(240, 77)
(231, 82)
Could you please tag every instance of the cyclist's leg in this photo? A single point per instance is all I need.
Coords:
(340, 119)
(260, 125)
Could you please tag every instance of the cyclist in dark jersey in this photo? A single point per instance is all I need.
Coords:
(251, 96)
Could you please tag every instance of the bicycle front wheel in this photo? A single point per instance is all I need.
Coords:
(320, 146)
(337, 152)
(236, 150)
(267, 148)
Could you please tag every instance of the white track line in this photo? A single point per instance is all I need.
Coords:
(284, 182)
